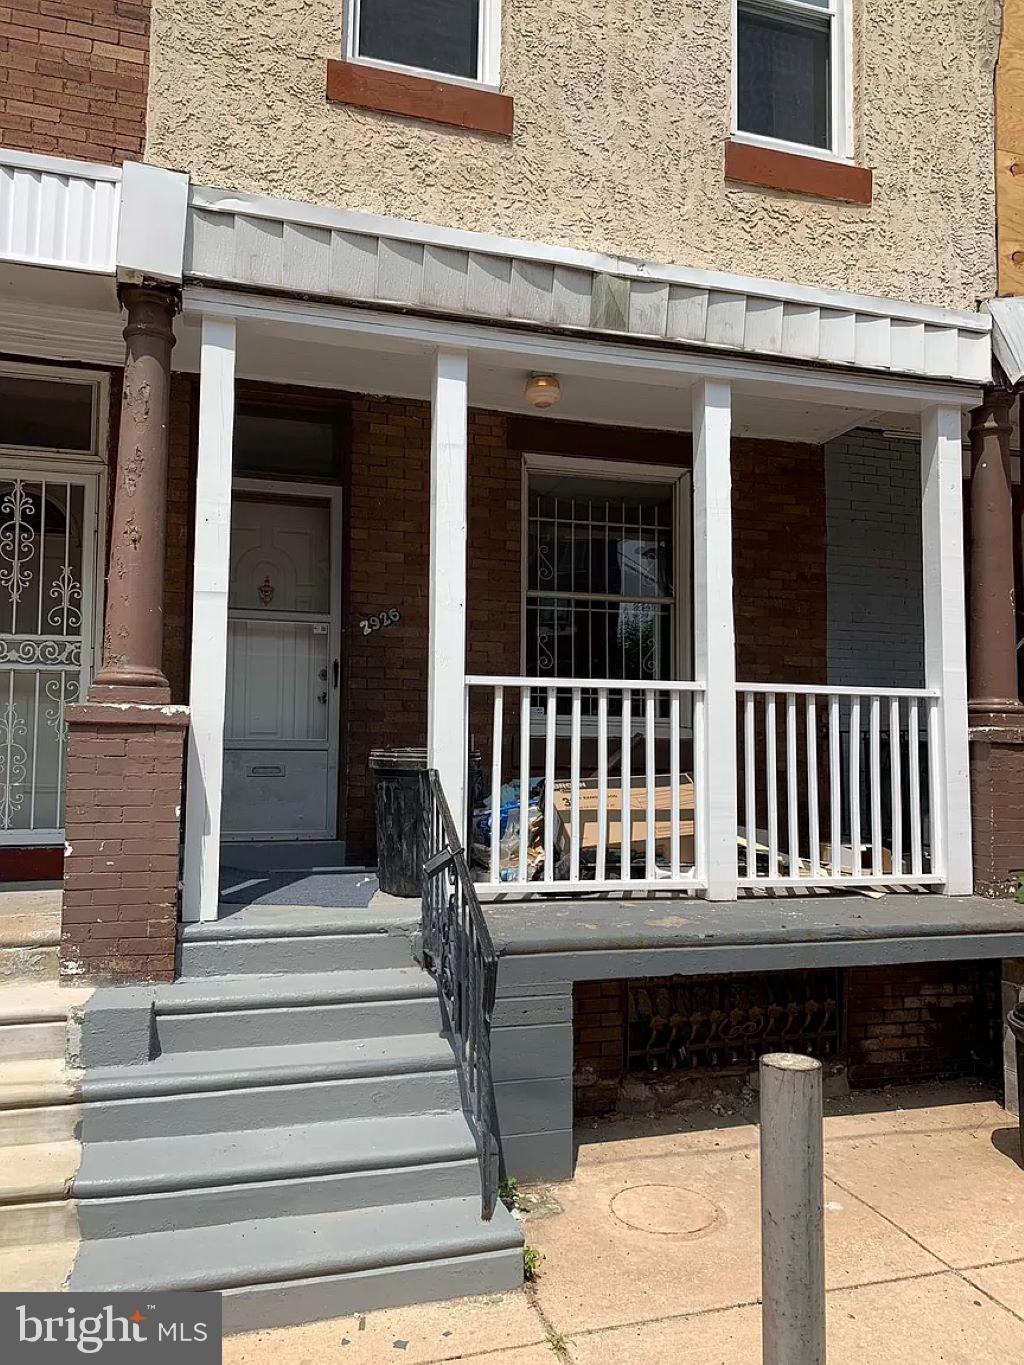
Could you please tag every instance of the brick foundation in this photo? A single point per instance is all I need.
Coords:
(919, 1022)
(902, 1024)
(123, 836)
(997, 809)
(73, 77)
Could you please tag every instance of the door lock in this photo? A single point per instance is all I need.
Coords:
(322, 698)
(322, 675)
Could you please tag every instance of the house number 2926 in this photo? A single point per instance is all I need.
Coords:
(391, 617)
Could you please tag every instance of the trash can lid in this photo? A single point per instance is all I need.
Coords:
(412, 759)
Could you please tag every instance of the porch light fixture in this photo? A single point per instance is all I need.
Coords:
(543, 390)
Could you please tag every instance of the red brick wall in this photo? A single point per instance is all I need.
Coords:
(921, 1021)
(902, 1024)
(997, 810)
(119, 920)
(73, 77)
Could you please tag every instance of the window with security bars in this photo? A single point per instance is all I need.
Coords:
(600, 578)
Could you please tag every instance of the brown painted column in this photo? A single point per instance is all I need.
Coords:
(126, 742)
(133, 632)
(993, 663)
(995, 713)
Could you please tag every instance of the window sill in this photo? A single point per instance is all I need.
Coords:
(434, 101)
(750, 164)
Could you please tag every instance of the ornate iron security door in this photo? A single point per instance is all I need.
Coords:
(47, 556)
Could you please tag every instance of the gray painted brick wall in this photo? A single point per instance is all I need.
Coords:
(875, 609)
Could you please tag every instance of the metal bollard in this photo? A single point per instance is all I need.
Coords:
(792, 1212)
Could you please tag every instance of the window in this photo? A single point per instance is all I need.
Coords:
(603, 567)
(292, 443)
(790, 73)
(47, 414)
(454, 38)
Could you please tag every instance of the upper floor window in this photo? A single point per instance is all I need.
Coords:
(451, 38)
(790, 73)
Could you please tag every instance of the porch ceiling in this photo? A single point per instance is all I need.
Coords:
(286, 354)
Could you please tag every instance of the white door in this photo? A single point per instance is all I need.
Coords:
(281, 725)
(47, 584)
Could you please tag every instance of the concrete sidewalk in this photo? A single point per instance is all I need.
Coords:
(651, 1255)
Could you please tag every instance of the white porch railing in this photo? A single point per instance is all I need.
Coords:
(598, 785)
(586, 784)
(836, 786)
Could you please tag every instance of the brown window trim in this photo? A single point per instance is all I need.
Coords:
(775, 170)
(419, 97)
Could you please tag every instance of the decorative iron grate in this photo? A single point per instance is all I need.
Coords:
(684, 1023)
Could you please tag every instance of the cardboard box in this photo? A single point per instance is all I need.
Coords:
(562, 801)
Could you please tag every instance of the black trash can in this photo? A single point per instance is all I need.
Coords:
(398, 799)
(1015, 1019)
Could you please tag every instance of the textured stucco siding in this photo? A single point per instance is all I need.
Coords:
(622, 109)
(875, 590)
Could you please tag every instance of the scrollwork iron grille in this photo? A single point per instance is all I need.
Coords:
(681, 1024)
(458, 952)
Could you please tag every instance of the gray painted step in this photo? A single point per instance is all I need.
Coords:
(233, 955)
(232, 1012)
(179, 1163)
(279, 1251)
(278, 1198)
(266, 1087)
(333, 1296)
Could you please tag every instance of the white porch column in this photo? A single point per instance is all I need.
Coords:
(446, 683)
(208, 682)
(714, 631)
(945, 649)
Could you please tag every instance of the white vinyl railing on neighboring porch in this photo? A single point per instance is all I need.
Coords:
(837, 786)
(586, 784)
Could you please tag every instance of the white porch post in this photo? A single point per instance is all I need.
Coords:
(446, 683)
(208, 682)
(714, 630)
(945, 643)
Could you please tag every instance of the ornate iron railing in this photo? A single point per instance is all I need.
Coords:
(679, 1024)
(458, 951)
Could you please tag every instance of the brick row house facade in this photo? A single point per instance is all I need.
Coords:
(371, 385)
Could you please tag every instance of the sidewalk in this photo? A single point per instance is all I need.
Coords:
(651, 1256)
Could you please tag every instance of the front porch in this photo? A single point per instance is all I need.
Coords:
(632, 627)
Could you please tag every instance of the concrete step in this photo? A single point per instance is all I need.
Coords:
(308, 1007)
(162, 1183)
(29, 935)
(33, 1019)
(38, 1102)
(293, 1269)
(34, 1204)
(235, 1089)
(43, 1268)
(276, 954)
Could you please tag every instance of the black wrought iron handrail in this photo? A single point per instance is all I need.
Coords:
(459, 953)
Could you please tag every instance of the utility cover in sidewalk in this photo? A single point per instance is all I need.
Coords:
(666, 1210)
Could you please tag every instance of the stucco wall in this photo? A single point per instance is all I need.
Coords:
(622, 110)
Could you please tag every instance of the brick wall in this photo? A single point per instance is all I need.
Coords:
(875, 607)
(922, 1021)
(73, 77)
(120, 911)
(902, 1024)
(997, 809)
(599, 1044)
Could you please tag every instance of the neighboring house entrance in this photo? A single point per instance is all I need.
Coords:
(283, 673)
(52, 481)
